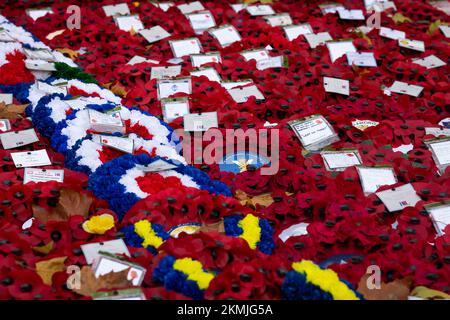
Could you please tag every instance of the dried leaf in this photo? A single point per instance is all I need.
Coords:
(69, 52)
(47, 268)
(435, 26)
(400, 18)
(45, 249)
(11, 111)
(119, 90)
(217, 227)
(246, 200)
(89, 284)
(395, 290)
(426, 293)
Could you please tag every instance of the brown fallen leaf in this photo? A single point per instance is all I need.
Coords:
(247, 200)
(12, 111)
(119, 90)
(47, 268)
(395, 290)
(68, 52)
(89, 284)
(71, 203)
(217, 227)
(45, 249)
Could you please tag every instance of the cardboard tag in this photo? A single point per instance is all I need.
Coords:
(5, 36)
(317, 39)
(38, 13)
(272, 62)
(258, 54)
(445, 30)
(42, 175)
(92, 251)
(260, 10)
(106, 264)
(228, 85)
(295, 230)
(39, 65)
(126, 294)
(157, 166)
(404, 148)
(225, 35)
(15, 139)
(5, 125)
(293, 32)
(50, 89)
(200, 122)
(120, 9)
(191, 7)
(201, 21)
(440, 215)
(282, 19)
(345, 14)
(139, 59)
(164, 6)
(119, 143)
(391, 33)
(364, 124)
(405, 88)
(340, 160)
(430, 62)
(335, 85)
(154, 34)
(167, 88)
(39, 54)
(361, 59)
(210, 73)
(174, 108)
(198, 60)
(129, 23)
(314, 132)
(438, 131)
(36, 158)
(398, 198)
(242, 94)
(330, 7)
(238, 7)
(106, 122)
(441, 152)
(6, 98)
(373, 178)
(181, 48)
(165, 72)
(339, 48)
(412, 44)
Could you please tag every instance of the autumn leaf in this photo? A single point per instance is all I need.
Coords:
(45, 249)
(68, 52)
(400, 18)
(119, 90)
(47, 268)
(217, 227)
(11, 111)
(246, 200)
(89, 284)
(430, 294)
(435, 26)
(396, 290)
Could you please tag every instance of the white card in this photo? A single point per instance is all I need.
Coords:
(50, 89)
(15, 139)
(364, 124)
(317, 39)
(391, 33)
(374, 178)
(260, 10)
(361, 59)
(38, 13)
(339, 48)
(312, 131)
(441, 151)
(238, 7)
(181, 48)
(39, 54)
(42, 175)
(106, 122)
(174, 108)
(92, 251)
(228, 85)
(200, 122)
(5, 36)
(139, 59)
(36, 158)
(445, 30)
(440, 215)
(191, 7)
(330, 7)
(119, 143)
(295, 230)
(198, 60)
(258, 54)
(200, 21)
(282, 19)
(167, 88)
(6, 98)
(154, 34)
(412, 44)
(242, 94)
(157, 166)
(116, 10)
(398, 198)
(341, 160)
(404, 148)
(405, 88)
(335, 85)
(226, 35)
(164, 6)
(271, 62)
(345, 14)
(5, 125)
(39, 65)
(293, 32)
(106, 264)
(210, 73)
(128, 23)
(438, 131)
(430, 62)
(165, 72)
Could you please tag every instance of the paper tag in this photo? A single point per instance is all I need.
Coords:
(430, 62)
(167, 88)
(50, 89)
(157, 166)
(92, 251)
(165, 72)
(364, 124)
(38, 13)
(181, 48)
(128, 23)
(404, 148)
(200, 122)
(39, 54)
(405, 88)
(242, 94)
(317, 39)
(36, 158)
(374, 178)
(15, 139)
(330, 7)
(5, 36)
(295, 230)
(5, 125)
(225, 35)
(341, 160)
(191, 7)
(39, 65)
(164, 6)
(228, 85)
(260, 10)
(282, 19)
(440, 215)
(271, 62)
(106, 122)
(441, 151)
(120, 9)
(198, 60)
(174, 108)
(238, 7)
(210, 73)
(339, 48)
(438, 131)
(345, 14)
(293, 32)
(118, 143)
(6, 98)
(201, 21)
(312, 131)
(412, 44)
(259, 54)
(361, 59)
(120, 295)
(336, 85)
(398, 198)
(139, 59)
(154, 34)
(445, 30)
(106, 264)
(42, 175)
(391, 33)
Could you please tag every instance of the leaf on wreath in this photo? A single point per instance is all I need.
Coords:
(47, 268)
(12, 111)
(89, 284)
(396, 290)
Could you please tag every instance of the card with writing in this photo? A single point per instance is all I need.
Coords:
(154, 34)
(260, 10)
(335, 85)
(164, 6)
(430, 62)
(198, 60)
(16, 139)
(314, 132)
(391, 33)
(339, 48)
(405, 88)
(38, 13)
(167, 88)
(272, 62)
(228, 85)
(201, 21)
(5, 125)
(157, 166)
(93, 251)
(129, 23)
(238, 7)
(316, 39)
(440, 216)
(372, 178)
(42, 175)
(294, 31)
(106, 122)
(6, 98)
(120, 9)
(345, 14)
(210, 73)
(120, 295)
(282, 19)
(191, 7)
(40, 65)
(331, 7)
(165, 72)
(119, 143)
(107, 263)
(364, 124)
(194, 122)
(441, 153)
(257, 54)
(181, 48)
(225, 35)
(412, 44)
(26, 159)
(50, 89)
(242, 94)
(174, 108)
(398, 198)
(361, 59)
(39, 54)
(139, 59)
(340, 160)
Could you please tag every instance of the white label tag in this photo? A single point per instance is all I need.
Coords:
(39, 65)
(198, 60)
(42, 175)
(5, 125)
(157, 166)
(345, 14)
(374, 178)
(228, 85)
(167, 88)
(361, 59)
(154, 34)
(238, 7)
(200, 122)
(6, 98)
(391, 33)
(165, 72)
(404, 148)
(339, 48)
(260, 54)
(399, 198)
(164, 6)
(295, 230)
(445, 30)
(116, 10)
(242, 94)
(336, 85)
(226, 35)
(282, 19)
(430, 62)
(201, 21)
(49, 89)
(191, 7)
(210, 73)
(260, 10)
(181, 48)
(293, 32)
(438, 131)
(31, 159)
(317, 39)
(119, 143)
(106, 264)
(128, 23)
(173, 109)
(15, 139)
(38, 13)
(312, 131)
(441, 217)
(441, 151)
(272, 62)
(5, 36)
(364, 124)
(139, 59)
(341, 160)
(412, 44)
(106, 122)
(405, 88)
(39, 54)
(330, 8)
(92, 251)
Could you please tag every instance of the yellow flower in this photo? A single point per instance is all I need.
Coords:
(194, 270)
(99, 224)
(144, 229)
(251, 230)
